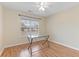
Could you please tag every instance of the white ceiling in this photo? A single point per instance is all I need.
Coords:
(53, 8)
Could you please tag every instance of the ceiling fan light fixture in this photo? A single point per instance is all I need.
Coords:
(42, 6)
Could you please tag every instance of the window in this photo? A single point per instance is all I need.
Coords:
(31, 25)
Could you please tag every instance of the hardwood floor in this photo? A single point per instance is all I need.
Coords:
(55, 50)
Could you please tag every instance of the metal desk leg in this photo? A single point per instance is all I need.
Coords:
(46, 41)
(30, 47)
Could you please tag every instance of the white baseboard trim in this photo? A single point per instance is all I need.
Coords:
(66, 45)
(6, 46)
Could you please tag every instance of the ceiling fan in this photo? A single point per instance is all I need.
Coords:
(42, 5)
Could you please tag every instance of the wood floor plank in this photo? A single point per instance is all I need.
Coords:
(39, 50)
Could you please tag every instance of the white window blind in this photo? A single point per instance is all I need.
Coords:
(30, 24)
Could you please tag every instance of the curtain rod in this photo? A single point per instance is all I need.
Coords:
(28, 16)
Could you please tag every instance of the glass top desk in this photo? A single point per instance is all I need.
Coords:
(31, 37)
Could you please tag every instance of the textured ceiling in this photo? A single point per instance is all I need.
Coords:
(31, 7)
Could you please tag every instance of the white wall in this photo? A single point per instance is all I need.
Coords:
(1, 28)
(42, 26)
(63, 27)
(12, 33)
